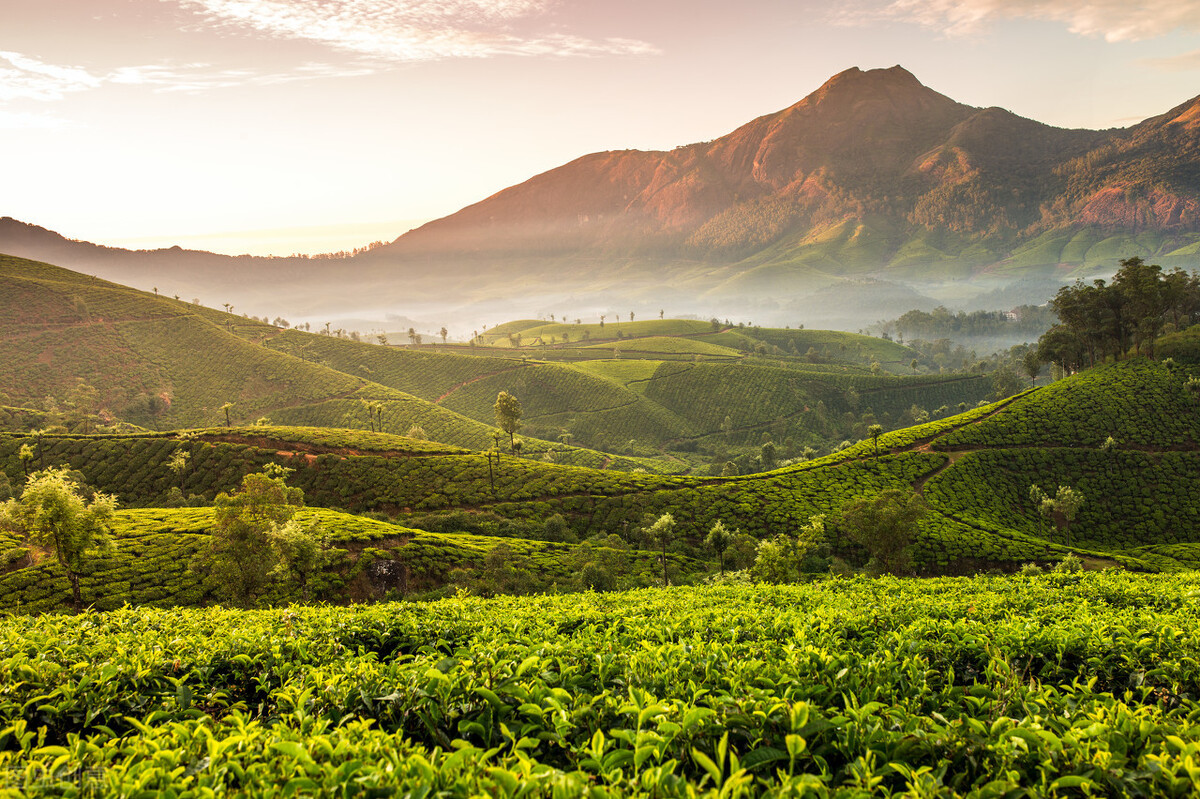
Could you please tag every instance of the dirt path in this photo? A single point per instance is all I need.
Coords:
(476, 379)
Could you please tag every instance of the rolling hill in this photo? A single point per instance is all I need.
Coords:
(161, 363)
(974, 470)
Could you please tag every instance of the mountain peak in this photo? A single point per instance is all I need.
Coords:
(858, 81)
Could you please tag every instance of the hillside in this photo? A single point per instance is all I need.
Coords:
(163, 363)
(639, 407)
(873, 194)
(974, 470)
(104, 354)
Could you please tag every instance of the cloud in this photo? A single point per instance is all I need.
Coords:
(24, 78)
(1113, 20)
(409, 30)
(1183, 62)
(28, 79)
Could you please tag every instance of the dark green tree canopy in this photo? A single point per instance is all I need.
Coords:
(1102, 320)
(242, 554)
(885, 526)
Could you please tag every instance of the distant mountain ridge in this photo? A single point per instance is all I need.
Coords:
(873, 177)
(872, 147)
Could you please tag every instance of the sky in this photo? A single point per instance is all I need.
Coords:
(283, 126)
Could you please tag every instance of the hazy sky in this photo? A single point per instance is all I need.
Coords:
(312, 125)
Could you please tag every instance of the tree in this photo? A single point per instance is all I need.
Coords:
(555, 529)
(775, 560)
(718, 540)
(226, 408)
(661, 533)
(1042, 503)
(508, 416)
(241, 550)
(884, 525)
(84, 401)
(26, 454)
(412, 335)
(444, 332)
(767, 455)
(1032, 364)
(178, 464)
(1064, 506)
(1111, 319)
(1005, 383)
(52, 514)
(875, 431)
(300, 549)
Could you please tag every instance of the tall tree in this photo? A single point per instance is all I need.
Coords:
(768, 456)
(1066, 503)
(875, 431)
(52, 514)
(718, 540)
(300, 549)
(1032, 363)
(178, 464)
(661, 533)
(508, 416)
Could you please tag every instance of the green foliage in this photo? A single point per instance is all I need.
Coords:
(885, 526)
(299, 549)
(1109, 400)
(250, 533)
(1112, 319)
(946, 687)
(719, 539)
(52, 514)
(508, 415)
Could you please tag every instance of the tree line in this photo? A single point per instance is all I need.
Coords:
(1119, 318)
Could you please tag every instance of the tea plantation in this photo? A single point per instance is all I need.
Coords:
(1055, 685)
(368, 560)
(1139, 510)
(79, 353)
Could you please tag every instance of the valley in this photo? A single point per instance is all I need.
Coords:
(589, 488)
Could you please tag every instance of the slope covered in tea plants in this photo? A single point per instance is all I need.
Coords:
(1042, 686)
(1137, 499)
(642, 406)
(152, 360)
(367, 560)
(414, 483)
(163, 363)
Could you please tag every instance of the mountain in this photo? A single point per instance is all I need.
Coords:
(874, 193)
